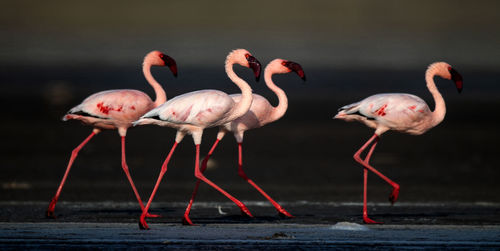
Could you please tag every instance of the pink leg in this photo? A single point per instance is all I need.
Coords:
(74, 153)
(142, 221)
(242, 174)
(186, 220)
(367, 166)
(365, 174)
(126, 170)
(199, 175)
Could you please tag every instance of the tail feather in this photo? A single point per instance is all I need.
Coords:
(146, 117)
(352, 108)
(348, 109)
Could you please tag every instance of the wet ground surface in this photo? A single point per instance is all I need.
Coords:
(244, 236)
(305, 212)
(220, 226)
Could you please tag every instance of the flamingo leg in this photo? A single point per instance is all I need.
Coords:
(127, 173)
(366, 219)
(242, 174)
(199, 175)
(394, 195)
(142, 220)
(74, 153)
(186, 220)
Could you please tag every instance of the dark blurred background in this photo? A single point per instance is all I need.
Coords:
(53, 54)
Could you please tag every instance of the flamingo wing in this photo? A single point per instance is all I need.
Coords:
(350, 109)
(394, 109)
(114, 104)
(196, 108)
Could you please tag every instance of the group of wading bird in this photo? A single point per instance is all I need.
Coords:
(192, 112)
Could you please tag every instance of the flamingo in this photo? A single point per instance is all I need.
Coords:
(192, 112)
(117, 109)
(261, 113)
(401, 112)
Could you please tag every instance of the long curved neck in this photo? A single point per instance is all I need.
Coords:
(161, 96)
(246, 92)
(278, 111)
(440, 107)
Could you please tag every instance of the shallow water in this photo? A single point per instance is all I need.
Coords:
(315, 226)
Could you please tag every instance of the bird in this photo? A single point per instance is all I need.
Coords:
(261, 113)
(405, 113)
(192, 112)
(117, 109)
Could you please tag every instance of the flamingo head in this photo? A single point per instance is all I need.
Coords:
(445, 71)
(158, 58)
(245, 58)
(290, 66)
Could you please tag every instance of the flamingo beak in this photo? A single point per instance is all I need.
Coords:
(457, 78)
(255, 65)
(295, 67)
(170, 62)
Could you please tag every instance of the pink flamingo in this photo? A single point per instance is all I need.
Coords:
(399, 112)
(192, 112)
(117, 109)
(261, 113)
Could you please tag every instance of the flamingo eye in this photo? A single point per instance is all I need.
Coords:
(449, 68)
(162, 56)
(247, 56)
(283, 63)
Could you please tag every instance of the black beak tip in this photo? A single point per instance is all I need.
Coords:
(459, 84)
(457, 78)
(171, 64)
(292, 66)
(255, 65)
(173, 68)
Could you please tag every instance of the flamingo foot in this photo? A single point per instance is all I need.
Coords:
(50, 214)
(187, 221)
(394, 195)
(50, 209)
(142, 223)
(245, 211)
(284, 214)
(367, 220)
